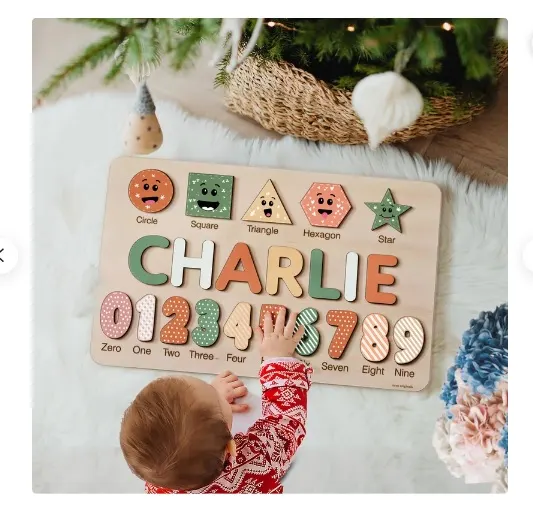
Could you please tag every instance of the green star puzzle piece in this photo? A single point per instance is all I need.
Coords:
(387, 212)
(209, 196)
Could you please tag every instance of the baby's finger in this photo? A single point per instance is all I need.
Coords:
(237, 383)
(239, 392)
(231, 378)
(259, 332)
(299, 334)
(225, 373)
(239, 408)
(267, 323)
(289, 329)
(280, 321)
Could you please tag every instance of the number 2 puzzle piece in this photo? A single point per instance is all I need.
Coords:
(325, 205)
(209, 196)
(267, 207)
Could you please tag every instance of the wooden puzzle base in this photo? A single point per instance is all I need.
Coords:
(194, 254)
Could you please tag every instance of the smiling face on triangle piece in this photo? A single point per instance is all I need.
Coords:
(151, 190)
(267, 207)
(209, 196)
(325, 205)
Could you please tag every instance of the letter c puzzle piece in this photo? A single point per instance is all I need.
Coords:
(116, 314)
(325, 205)
(409, 337)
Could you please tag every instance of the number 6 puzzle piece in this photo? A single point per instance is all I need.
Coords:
(237, 326)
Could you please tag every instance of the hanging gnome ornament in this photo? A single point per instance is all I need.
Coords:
(387, 102)
(143, 133)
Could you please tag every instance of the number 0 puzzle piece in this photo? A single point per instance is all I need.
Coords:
(209, 196)
(267, 207)
(325, 205)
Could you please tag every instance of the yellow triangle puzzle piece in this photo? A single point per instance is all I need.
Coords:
(267, 207)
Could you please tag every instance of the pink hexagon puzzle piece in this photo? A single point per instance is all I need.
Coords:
(325, 205)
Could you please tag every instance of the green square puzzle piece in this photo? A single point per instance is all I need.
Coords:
(209, 196)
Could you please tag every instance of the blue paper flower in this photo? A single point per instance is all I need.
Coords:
(504, 441)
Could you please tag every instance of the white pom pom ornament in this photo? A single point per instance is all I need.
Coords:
(386, 102)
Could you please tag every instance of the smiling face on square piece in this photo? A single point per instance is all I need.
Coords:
(151, 190)
(209, 195)
(325, 205)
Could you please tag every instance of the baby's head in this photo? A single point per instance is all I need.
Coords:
(177, 433)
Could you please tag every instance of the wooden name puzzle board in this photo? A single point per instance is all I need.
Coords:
(194, 254)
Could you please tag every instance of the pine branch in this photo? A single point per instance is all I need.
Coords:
(89, 59)
(98, 23)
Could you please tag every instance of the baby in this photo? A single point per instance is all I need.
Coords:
(176, 435)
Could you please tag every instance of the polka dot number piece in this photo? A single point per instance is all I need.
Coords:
(208, 330)
(146, 309)
(175, 331)
(116, 314)
(345, 321)
(151, 190)
(387, 212)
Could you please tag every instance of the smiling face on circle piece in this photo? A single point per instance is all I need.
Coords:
(151, 190)
(209, 195)
(325, 205)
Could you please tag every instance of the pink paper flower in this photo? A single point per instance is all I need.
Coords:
(475, 431)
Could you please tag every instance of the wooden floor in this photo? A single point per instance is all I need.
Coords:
(477, 149)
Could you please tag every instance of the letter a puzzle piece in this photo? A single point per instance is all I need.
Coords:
(325, 205)
(267, 207)
(209, 196)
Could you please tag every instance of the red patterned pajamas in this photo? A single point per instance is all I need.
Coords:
(265, 452)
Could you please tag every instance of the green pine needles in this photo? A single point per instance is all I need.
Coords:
(447, 57)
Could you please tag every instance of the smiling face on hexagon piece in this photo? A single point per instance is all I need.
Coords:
(325, 205)
(209, 196)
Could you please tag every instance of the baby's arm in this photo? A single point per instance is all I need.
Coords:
(281, 430)
(285, 382)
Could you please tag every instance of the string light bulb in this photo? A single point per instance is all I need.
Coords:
(447, 26)
(350, 28)
(271, 24)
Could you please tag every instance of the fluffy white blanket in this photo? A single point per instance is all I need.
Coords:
(359, 440)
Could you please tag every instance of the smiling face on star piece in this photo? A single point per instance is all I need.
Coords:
(151, 190)
(387, 212)
(325, 205)
(209, 195)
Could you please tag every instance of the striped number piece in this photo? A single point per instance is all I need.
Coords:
(116, 314)
(146, 308)
(409, 337)
(207, 331)
(175, 331)
(374, 343)
(238, 325)
(345, 321)
(273, 309)
(311, 338)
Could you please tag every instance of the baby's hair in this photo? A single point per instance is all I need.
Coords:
(171, 439)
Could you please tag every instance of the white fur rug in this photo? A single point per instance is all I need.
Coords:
(358, 440)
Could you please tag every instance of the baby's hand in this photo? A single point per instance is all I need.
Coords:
(230, 387)
(279, 341)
